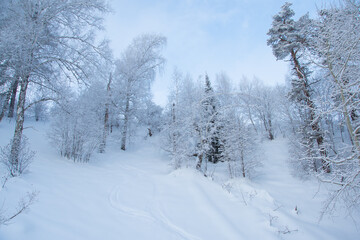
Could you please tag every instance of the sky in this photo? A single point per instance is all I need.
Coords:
(205, 36)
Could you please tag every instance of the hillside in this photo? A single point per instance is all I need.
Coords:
(136, 195)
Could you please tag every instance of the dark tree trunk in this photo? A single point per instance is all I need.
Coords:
(268, 127)
(20, 117)
(199, 162)
(311, 106)
(14, 88)
(242, 164)
(5, 104)
(271, 135)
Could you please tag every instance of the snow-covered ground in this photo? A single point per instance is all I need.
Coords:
(136, 195)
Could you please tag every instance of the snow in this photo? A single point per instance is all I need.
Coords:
(136, 195)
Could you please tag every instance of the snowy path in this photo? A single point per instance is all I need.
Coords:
(135, 195)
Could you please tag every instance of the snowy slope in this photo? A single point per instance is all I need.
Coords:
(136, 195)
(293, 206)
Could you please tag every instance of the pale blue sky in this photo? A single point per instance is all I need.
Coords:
(205, 36)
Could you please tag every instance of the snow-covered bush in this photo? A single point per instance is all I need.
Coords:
(77, 126)
(16, 166)
(71, 138)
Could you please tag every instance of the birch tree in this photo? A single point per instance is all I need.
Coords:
(134, 73)
(50, 41)
(336, 54)
(179, 133)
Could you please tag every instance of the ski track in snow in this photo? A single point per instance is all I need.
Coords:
(174, 228)
(154, 215)
(115, 202)
(203, 197)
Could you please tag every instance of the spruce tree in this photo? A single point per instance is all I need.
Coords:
(212, 124)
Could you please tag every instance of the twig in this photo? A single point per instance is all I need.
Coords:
(24, 204)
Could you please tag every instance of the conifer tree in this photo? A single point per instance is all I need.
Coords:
(288, 38)
(213, 126)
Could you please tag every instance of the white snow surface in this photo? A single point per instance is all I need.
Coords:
(137, 195)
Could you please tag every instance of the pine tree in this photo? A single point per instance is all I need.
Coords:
(288, 37)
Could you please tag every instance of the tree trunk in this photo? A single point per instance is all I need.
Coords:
(5, 104)
(106, 117)
(199, 162)
(313, 122)
(345, 111)
(242, 164)
(271, 135)
(251, 120)
(174, 142)
(20, 117)
(14, 87)
(126, 120)
(105, 130)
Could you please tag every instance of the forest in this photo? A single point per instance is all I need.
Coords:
(54, 69)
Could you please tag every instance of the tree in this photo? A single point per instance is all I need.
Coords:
(212, 120)
(341, 25)
(106, 115)
(246, 91)
(335, 51)
(134, 73)
(240, 147)
(238, 132)
(208, 127)
(151, 117)
(324, 53)
(48, 41)
(8, 103)
(7, 78)
(77, 123)
(263, 102)
(288, 38)
(180, 113)
(258, 103)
